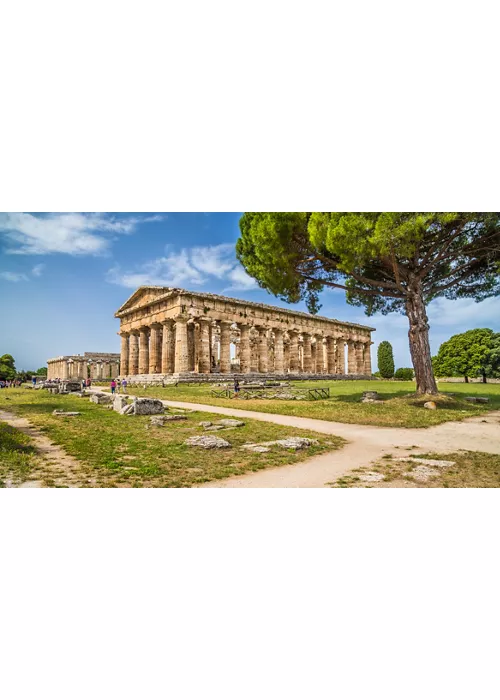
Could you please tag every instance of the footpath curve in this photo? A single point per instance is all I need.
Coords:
(365, 445)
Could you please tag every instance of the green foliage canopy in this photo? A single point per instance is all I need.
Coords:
(468, 354)
(404, 374)
(7, 367)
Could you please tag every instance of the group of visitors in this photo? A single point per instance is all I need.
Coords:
(118, 385)
(8, 383)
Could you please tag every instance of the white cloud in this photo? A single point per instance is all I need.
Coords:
(73, 233)
(14, 276)
(37, 270)
(240, 279)
(190, 267)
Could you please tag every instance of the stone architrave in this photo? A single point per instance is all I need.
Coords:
(225, 347)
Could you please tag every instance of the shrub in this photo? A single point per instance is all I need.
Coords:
(385, 360)
(405, 374)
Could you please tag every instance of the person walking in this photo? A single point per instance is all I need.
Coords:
(236, 388)
(113, 386)
(124, 386)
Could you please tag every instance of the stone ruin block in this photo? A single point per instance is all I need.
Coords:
(101, 399)
(148, 407)
(119, 402)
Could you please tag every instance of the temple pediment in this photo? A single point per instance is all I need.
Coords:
(142, 296)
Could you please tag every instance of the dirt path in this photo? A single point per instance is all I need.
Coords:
(57, 465)
(366, 444)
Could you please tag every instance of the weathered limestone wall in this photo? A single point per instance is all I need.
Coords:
(168, 331)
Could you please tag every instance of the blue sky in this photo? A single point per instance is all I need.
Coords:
(63, 276)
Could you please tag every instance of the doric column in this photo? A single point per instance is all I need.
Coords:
(133, 353)
(279, 354)
(306, 353)
(324, 357)
(294, 351)
(244, 348)
(340, 356)
(351, 357)
(313, 357)
(204, 349)
(225, 347)
(168, 347)
(368, 358)
(263, 349)
(191, 347)
(143, 350)
(181, 345)
(124, 353)
(360, 365)
(154, 349)
(330, 355)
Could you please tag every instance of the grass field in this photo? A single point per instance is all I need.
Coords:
(118, 450)
(471, 470)
(399, 409)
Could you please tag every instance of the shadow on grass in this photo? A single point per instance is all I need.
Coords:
(11, 440)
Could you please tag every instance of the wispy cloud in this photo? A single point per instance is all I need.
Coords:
(73, 234)
(189, 267)
(14, 276)
(37, 270)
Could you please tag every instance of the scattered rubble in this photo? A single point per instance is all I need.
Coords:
(65, 413)
(147, 407)
(291, 443)
(426, 462)
(205, 424)
(431, 405)
(207, 442)
(476, 399)
(421, 473)
(371, 476)
(230, 423)
(256, 448)
(371, 397)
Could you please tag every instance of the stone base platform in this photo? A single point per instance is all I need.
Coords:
(218, 378)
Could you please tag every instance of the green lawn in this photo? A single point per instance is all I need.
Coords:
(400, 409)
(118, 450)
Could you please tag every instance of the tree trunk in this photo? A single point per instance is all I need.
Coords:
(418, 336)
(466, 379)
(484, 377)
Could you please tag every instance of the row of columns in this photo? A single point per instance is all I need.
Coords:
(176, 346)
(68, 368)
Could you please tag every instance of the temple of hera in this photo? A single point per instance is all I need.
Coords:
(173, 332)
(96, 365)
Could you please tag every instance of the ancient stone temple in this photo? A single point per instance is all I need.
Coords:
(96, 365)
(173, 332)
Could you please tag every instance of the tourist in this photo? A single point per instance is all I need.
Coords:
(33, 379)
(113, 386)
(89, 383)
(236, 388)
(124, 385)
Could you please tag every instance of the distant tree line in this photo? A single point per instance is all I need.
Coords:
(8, 370)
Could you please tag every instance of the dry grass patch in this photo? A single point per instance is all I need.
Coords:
(469, 470)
